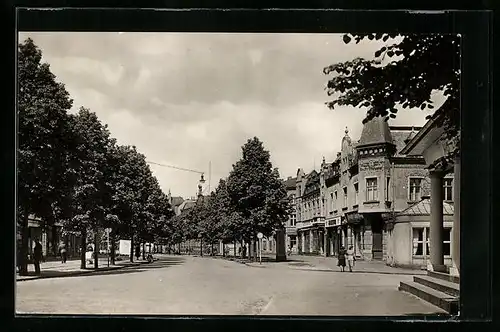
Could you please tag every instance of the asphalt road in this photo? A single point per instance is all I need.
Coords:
(206, 286)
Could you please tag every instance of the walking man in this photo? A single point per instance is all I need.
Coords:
(62, 250)
(37, 256)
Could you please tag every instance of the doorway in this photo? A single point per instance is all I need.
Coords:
(377, 237)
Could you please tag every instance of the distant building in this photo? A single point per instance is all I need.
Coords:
(290, 228)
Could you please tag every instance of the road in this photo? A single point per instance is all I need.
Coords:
(205, 286)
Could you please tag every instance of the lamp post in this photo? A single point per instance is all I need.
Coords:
(260, 236)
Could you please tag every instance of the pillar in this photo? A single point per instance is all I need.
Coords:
(303, 244)
(349, 237)
(280, 246)
(455, 250)
(436, 222)
(326, 243)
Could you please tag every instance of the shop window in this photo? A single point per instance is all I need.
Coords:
(371, 189)
(415, 191)
(448, 189)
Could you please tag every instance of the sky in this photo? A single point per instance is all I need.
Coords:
(190, 100)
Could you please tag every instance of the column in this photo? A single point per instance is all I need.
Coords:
(349, 237)
(436, 222)
(455, 250)
(326, 243)
(303, 244)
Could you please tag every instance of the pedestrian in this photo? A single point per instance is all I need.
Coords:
(63, 252)
(37, 256)
(350, 258)
(341, 258)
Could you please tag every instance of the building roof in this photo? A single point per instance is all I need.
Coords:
(187, 204)
(290, 182)
(423, 208)
(401, 136)
(176, 201)
(375, 131)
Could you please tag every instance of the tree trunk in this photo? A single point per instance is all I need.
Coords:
(223, 249)
(83, 249)
(144, 251)
(254, 249)
(113, 247)
(96, 248)
(132, 249)
(55, 239)
(201, 247)
(23, 250)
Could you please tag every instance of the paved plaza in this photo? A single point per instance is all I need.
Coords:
(202, 285)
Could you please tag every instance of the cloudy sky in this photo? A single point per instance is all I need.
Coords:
(190, 99)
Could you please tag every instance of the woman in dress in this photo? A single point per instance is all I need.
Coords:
(341, 261)
(350, 258)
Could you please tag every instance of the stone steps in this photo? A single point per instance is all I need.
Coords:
(443, 286)
(442, 300)
(444, 276)
(440, 289)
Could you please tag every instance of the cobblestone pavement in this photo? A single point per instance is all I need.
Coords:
(185, 285)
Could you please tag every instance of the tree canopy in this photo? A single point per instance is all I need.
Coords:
(71, 170)
(404, 72)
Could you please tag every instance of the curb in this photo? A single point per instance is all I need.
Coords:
(79, 273)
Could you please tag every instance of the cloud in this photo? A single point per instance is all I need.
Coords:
(191, 99)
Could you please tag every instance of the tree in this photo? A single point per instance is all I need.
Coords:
(92, 193)
(405, 72)
(129, 180)
(257, 192)
(42, 114)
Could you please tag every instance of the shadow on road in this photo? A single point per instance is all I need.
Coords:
(162, 263)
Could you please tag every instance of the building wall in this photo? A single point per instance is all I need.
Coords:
(400, 188)
(400, 243)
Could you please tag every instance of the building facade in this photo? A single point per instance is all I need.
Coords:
(373, 197)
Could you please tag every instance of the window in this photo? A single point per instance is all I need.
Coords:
(356, 193)
(387, 189)
(448, 189)
(345, 196)
(332, 202)
(415, 191)
(293, 241)
(422, 235)
(335, 200)
(447, 242)
(371, 189)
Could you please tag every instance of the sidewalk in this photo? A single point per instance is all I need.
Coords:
(329, 264)
(57, 269)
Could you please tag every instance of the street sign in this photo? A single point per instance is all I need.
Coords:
(260, 235)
